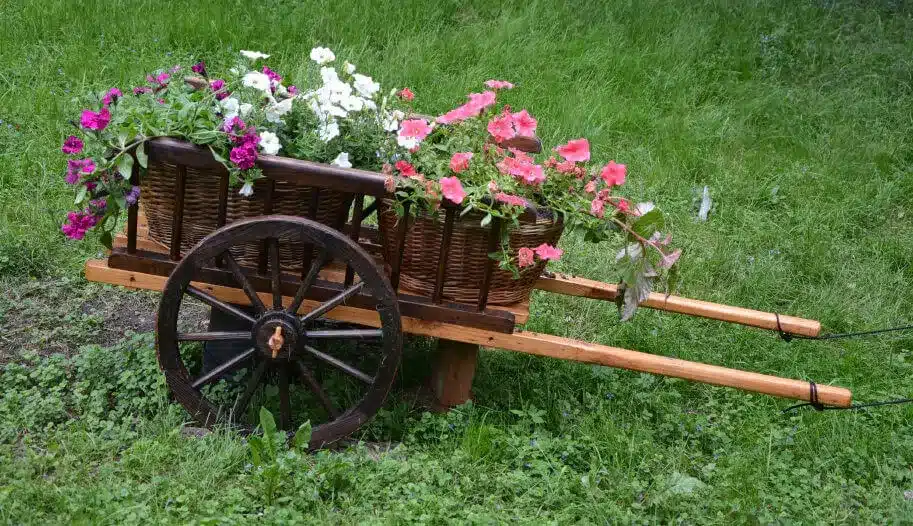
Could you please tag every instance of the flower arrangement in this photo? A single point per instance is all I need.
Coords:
(462, 157)
(340, 117)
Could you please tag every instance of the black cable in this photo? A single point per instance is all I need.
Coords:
(788, 337)
(853, 407)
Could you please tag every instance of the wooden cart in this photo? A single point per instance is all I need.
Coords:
(349, 282)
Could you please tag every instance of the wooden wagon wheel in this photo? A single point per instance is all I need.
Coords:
(283, 344)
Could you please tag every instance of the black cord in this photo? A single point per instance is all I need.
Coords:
(820, 407)
(837, 336)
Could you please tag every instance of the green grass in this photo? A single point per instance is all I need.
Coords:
(796, 114)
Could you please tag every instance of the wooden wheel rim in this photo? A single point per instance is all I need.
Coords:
(336, 245)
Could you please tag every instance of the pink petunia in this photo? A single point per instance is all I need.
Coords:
(452, 189)
(498, 84)
(533, 174)
(72, 146)
(577, 150)
(292, 90)
(460, 161)
(509, 199)
(614, 174)
(457, 114)
(548, 252)
(501, 128)
(525, 257)
(597, 207)
(415, 128)
(95, 120)
(406, 94)
(112, 96)
(524, 123)
(480, 101)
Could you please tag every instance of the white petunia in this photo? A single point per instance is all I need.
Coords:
(329, 75)
(257, 80)
(349, 67)
(253, 55)
(328, 131)
(247, 190)
(230, 107)
(370, 104)
(322, 55)
(645, 207)
(365, 85)
(407, 142)
(274, 112)
(390, 122)
(342, 161)
(269, 143)
(244, 109)
(336, 111)
(352, 103)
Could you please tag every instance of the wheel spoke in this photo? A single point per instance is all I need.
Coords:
(244, 282)
(318, 391)
(214, 302)
(285, 406)
(276, 276)
(318, 263)
(222, 369)
(333, 302)
(339, 364)
(241, 404)
(214, 336)
(345, 334)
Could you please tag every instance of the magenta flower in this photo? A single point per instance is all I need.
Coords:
(525, 257)
(524, 123)
(95, 120)
(273, 76)
(139, 90)
(112, 96)
(78, 223)
(218, 86)
(72, 146)
(548, 252)
(76, 168)
(452, 190)
(614, 174)
(199, 68)
(292, 90)
(244, 156)
(460, 161)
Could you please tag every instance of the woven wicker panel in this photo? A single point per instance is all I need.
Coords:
(201, 209)
(467, 258)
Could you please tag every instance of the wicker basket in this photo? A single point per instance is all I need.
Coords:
(201, 205)
(467, 258)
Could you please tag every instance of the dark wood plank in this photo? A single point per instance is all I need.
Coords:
(401, 229)
(494, 240)
(449, 218)
(313, 208)
(133, 210)
(269, 189)
(411, 306)
(177, 221)
(357, 211)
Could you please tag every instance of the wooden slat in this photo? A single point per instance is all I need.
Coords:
(177, 221)
(519, 341)
(587, 288)
(494, 240)
(401, 229)
(449, 219)
(269, 189)
(357, 209)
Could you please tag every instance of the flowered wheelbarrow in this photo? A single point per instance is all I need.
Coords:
(348, 277)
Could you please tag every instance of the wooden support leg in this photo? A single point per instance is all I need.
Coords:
(451, 379)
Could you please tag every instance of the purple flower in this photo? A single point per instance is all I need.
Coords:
(199, 67)
(132, 196)
(292, 90)
(72, 145)
(161, 79)
(139, 90)
(234, 124)
(271, 74)
(77, 168)
(78, 223)
(112, 96)
(99, 205)
(218, 86)
(95, 120)
(244, 156)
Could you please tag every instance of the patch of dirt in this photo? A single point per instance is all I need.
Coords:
(59, 315)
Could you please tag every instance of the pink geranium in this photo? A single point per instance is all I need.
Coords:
(614, 174)
(548, 252)
(501, 128)
(406, 94)
(405, 169)
(415, 128)
(525, 257)
(460, 161)
(524, 123)
(493, 187)
(590, 187)
(577, 150)
(72, 145)
(597, 207)
(498, 84)
(95, 120)
(452, 189)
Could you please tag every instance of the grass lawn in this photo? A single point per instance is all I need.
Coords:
(796, 115)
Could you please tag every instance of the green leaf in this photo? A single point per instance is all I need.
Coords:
(267, 422)
(216, 156)
(649, 223)
(106, 240)
(486, 220)
(303, 436)
(81, 194)
(256, 449)
(125, 166)
(141, 156)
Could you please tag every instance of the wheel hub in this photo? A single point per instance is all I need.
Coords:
(278, 334)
